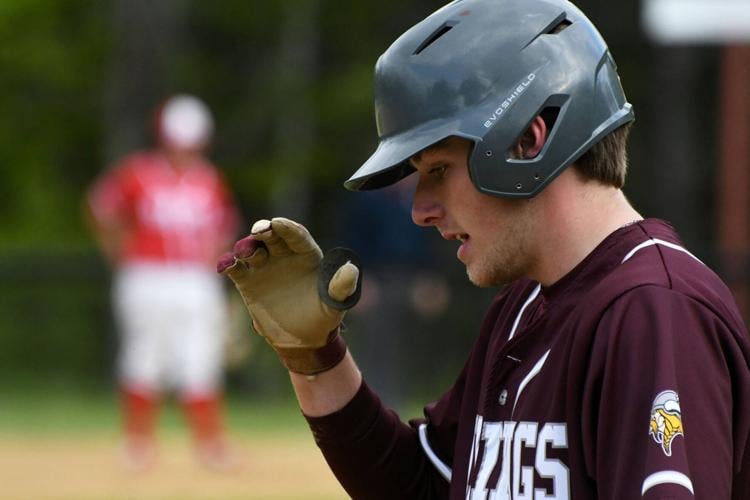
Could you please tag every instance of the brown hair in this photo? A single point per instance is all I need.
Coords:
(607, 160)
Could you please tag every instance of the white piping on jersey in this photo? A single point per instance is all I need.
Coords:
(657, 241)
(443, 469)
(537, 368)
(667, 477)
(531, 298)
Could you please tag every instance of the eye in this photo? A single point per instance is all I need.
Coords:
(438, 171)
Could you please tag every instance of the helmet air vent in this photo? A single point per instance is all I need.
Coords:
(549, 114)
(442, 30)
(559, 27)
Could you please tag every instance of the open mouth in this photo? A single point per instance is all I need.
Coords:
(464, 248)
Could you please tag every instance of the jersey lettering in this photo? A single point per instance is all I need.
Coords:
(179, 209)
(492, 433)
(502, 489)
(523, 482)
(557, 436)
(475, 444)
(497, 452)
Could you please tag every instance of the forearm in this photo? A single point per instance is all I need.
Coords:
(109, 236)
(373, 454)
(329, 391)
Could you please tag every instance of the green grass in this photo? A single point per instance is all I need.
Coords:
(38, 411)
(67, 410)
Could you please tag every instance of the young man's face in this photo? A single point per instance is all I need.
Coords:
(496, 236)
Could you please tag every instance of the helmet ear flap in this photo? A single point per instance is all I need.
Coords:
(498, 170)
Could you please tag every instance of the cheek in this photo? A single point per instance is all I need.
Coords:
(487, 219)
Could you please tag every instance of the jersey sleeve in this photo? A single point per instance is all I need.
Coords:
(658, 401)
(110, 195)
(375, 455)
(230, 219)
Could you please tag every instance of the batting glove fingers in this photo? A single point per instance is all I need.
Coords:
(296, 298)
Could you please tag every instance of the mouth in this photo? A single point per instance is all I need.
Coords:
(463, 238)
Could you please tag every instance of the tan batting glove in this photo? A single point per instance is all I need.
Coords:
(297, 300)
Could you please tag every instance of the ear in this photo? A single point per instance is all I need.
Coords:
(533, 140)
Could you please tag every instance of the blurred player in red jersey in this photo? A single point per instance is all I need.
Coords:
(161, 217)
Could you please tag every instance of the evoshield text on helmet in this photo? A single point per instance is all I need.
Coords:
(483, 70)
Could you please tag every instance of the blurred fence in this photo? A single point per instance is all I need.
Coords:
(54, 318)
(57, 331)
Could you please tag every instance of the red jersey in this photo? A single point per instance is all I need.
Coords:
(628, 378)
(184, 215)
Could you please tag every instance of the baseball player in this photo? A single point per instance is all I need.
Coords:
(614, 364)
(162, 217)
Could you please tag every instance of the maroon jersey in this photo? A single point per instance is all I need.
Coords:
(628, 378)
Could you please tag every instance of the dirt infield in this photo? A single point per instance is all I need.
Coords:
(75, 467)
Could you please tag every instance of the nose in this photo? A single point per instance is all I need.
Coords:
(425, 209)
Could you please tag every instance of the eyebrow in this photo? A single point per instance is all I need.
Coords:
(437, 145)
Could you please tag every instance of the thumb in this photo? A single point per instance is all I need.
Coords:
(344, 282)
(340, 279)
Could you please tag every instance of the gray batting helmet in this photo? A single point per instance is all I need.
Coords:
(483, 70)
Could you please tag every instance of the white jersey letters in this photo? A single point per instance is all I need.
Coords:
(497, 452)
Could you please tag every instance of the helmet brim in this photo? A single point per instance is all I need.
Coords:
(390, 161)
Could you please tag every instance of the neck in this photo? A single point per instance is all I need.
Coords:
(180, 159)
(578, 217)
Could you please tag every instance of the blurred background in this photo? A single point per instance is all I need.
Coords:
(290, 86)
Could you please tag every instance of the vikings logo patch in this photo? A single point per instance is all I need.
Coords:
(666, 420)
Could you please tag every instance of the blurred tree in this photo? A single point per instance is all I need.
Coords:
(295, 122)
(147, 38)
(51, 59)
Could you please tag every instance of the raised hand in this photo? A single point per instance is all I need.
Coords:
(296, 298)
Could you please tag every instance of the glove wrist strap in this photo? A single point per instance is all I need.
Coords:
(317, 360)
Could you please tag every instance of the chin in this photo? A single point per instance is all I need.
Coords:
(480, 279)
(487, 278)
